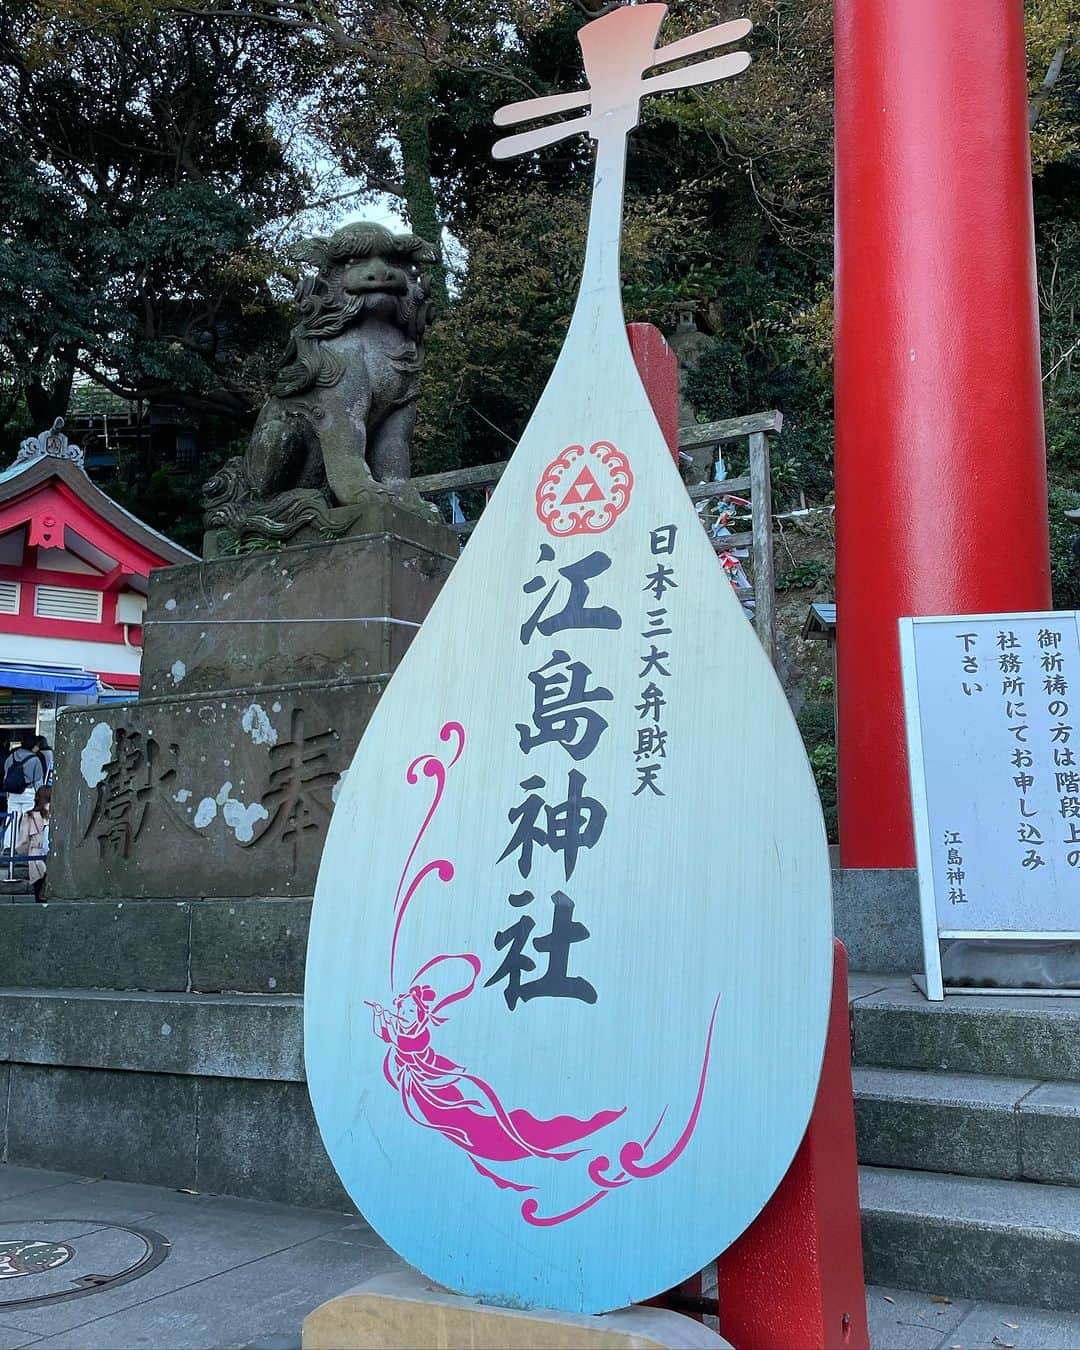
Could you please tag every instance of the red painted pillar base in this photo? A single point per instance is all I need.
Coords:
(658, 367)
(794, 1280)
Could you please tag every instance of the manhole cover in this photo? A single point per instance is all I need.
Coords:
(31, 1258)
(50, 1260)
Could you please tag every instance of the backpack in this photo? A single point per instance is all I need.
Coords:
(15, 778)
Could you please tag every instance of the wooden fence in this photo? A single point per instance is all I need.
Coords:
(755, 430)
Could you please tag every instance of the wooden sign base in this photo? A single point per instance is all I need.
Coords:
(404, 1311)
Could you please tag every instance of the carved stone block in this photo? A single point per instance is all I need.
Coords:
(260, 673)
(218, 795)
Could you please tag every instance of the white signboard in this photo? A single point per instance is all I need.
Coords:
(992, 704)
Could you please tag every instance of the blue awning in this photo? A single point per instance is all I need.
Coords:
(48, 679)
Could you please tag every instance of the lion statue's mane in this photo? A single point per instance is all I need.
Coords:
(326, 310)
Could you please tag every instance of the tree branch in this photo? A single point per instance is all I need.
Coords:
(329, 201)
(390, 186)
(1053, 74)
(1061, 361)
(228, 402)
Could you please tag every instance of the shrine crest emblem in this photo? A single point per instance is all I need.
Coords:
(584, 491)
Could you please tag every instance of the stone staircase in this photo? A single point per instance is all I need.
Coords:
(968, 1116)
(162, 1041)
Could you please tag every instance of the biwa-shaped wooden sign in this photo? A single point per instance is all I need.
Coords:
(569, 964)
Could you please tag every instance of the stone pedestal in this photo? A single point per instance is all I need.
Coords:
(259, 676)
(158, 992)
(403, 1311)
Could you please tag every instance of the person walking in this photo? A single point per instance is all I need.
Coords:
(34, 839)
(42, 748)
(25, 770)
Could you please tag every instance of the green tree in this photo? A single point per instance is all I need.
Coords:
(388, 64)
(728, 199)
(142, 158)
(728, 211)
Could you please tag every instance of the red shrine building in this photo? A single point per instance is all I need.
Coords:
(74, 568)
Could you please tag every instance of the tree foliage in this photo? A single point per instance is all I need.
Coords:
(159, 155)
(728, 212)
(1053, 28)
(142, 156)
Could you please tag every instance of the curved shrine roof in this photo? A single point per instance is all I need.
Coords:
(23, 477)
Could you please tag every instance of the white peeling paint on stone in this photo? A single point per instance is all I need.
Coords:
(170, 604)
(205, 813)
(242, 819)
(258, 725)
(335, 791)
(275, 707)
(96, 754)
(238, 816)
(182, 796)
(177, 670)
(166, 1030)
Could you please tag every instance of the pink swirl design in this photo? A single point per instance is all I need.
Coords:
(631, 1154)
(439, 1094)
(529, 1211)
(431, 766)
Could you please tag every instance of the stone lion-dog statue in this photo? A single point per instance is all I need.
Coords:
(335, 435)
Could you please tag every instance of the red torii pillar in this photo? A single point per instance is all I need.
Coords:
(940, 461)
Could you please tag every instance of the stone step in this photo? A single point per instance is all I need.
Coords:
(196, 1091)
(973, 1237)
(893, 1026)
(975, 1125)
(214, 946)
(209, 1035)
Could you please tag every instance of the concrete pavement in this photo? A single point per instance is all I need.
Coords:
(107, 1265)
(901, 1320)
(235, 1273)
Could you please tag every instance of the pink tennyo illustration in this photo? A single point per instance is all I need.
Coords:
(439, 1094)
